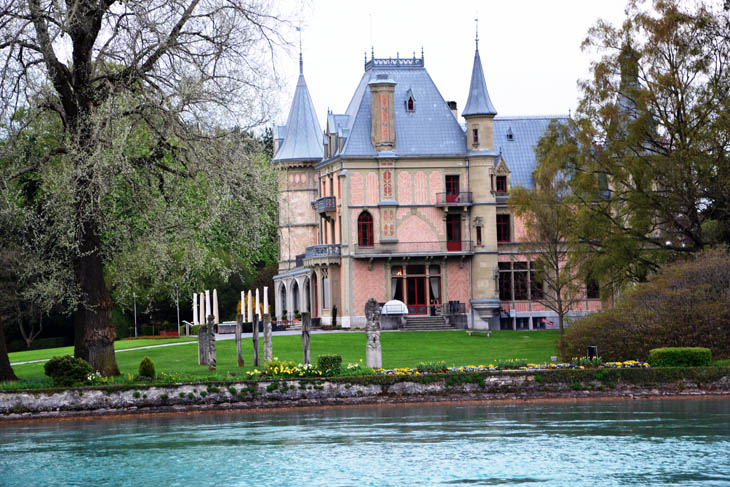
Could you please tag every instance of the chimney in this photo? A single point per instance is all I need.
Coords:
(382, 134)
(452, 107)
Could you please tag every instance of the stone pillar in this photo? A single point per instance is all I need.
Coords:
(255, 330)
(211, 342)
(373, 351)
(306, 331)
(239, 354)
(268, 347)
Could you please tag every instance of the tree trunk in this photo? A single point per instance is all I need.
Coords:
(6, 371)
(94, 329)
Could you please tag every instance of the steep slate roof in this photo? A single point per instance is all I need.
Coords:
(478, 102)
(430, 129)
(302, 137)
(519, 153)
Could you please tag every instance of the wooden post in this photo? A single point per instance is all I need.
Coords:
(306, 329)
(239, 354)
(268, 346)
(255, 329)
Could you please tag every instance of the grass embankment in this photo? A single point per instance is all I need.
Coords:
(400, 349)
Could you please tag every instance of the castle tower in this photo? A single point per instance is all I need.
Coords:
(479, 114)
(298, 146)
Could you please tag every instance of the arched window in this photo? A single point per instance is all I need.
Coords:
(365, 236)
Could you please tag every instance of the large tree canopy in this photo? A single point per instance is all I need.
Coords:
(648, 150)
(115, 127)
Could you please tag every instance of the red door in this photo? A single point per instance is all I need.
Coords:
(453, 232)
(416, 295)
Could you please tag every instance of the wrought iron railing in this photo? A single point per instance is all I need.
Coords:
(328, 250)
(456, 199)
(415, 247)
(325, 203)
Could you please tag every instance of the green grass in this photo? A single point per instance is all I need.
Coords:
(400, 349)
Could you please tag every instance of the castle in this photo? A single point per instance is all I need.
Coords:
(399, 200)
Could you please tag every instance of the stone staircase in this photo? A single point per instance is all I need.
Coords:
(426, 323)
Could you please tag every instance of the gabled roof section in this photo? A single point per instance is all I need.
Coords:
(478, 102)
(431, 130)
(519, 152)
(303, 136)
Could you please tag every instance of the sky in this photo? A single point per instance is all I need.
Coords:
(530, 49)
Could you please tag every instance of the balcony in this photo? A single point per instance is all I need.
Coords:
(415, 249)
(325, 204)
(453, 199)
(322, 254)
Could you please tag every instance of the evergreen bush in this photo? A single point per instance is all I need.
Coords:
(67, 370)
(329, 364)
(680, 357)
(147, 368)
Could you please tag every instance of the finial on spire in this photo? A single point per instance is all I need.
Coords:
(476, 39)
(372, 52)
(301, 62)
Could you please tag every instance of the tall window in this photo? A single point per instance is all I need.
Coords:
(503, 233)
(452, 188)
(536, 286)
(479, 236)
(365, 236)
(475, 136)
(516, 278)
(453, 232)
(592, 289)
(505, 281)
(501, 184)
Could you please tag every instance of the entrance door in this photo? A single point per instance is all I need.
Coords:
(453, 232)
(416, 291)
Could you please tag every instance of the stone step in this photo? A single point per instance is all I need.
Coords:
(426, 323)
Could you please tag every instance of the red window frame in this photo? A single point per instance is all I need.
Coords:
(503, 230)
(501, 184)
(365, 237)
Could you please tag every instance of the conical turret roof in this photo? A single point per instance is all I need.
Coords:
(478, 102)
(303, 140)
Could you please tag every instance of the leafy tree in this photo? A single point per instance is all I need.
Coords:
(139, 181)
(548, 219)
(647, 153)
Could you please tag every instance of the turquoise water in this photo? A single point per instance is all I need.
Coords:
(653, 443)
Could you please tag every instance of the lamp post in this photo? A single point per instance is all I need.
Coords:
(134, 296)
(177, 305)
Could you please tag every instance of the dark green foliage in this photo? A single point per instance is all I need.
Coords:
(329, 364)
(680, 357)
(684, 305)
(147, 368)
(122, 324)
(137, 394)
(213, 389)
(67, 370)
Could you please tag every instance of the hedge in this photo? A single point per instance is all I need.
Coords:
(680, 357)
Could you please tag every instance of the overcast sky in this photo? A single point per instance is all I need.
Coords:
(530, 49)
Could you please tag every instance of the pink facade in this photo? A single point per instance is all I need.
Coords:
(405, 194)
(357, 190)
(436, 183)
(520, 230)
(458, 283)
(421, 190)
(415, 229)
(372, 189)
(366, 284)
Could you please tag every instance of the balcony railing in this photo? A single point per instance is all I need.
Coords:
(325, 203)
(433, 247)
(317, 251)
(453, 199)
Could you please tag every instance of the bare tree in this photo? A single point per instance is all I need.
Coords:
(138, 90)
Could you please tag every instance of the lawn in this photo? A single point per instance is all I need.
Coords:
(400, 349)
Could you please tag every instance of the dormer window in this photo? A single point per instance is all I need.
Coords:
(510, 135)
(501, 184)
(410, 101)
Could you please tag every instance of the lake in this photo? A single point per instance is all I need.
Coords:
(668, 442)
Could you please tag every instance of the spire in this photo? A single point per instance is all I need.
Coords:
(476, 39)
(301, 63)
(303, 140)
(478, 102)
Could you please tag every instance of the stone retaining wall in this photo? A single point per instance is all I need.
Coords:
(310, 392)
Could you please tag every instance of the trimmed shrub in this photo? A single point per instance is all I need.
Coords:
(67, 370)
(680, 357)
(683, 305)
(329, 364)
(147, 368)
